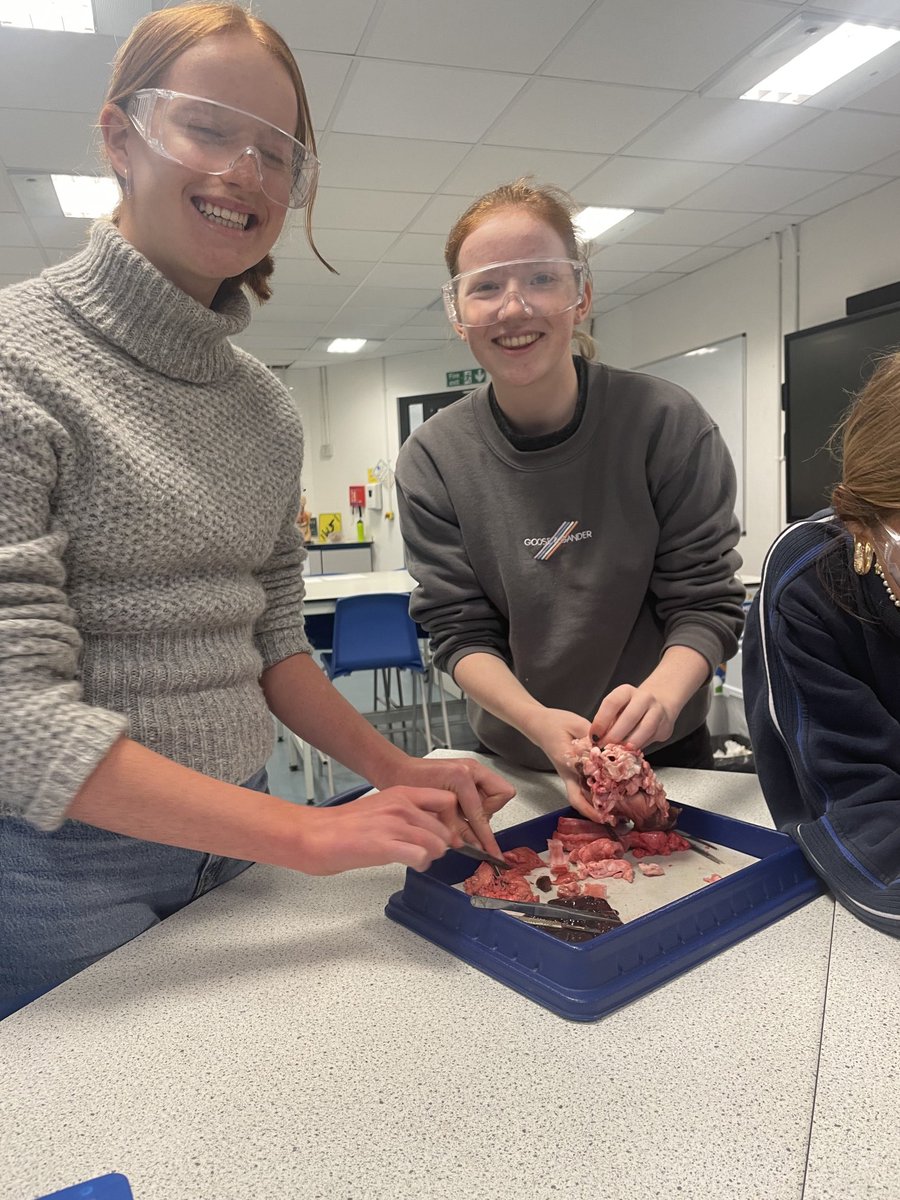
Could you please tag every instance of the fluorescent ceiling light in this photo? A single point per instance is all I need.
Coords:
(74, 16)
(831, 58)
(85, 195)
(346, 345)
(702, 350)
(591, 222)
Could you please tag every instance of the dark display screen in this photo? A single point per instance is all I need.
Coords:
(824, 367)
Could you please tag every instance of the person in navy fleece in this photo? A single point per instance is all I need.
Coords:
(822, 668)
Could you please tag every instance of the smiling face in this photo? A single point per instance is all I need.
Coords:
(169, 214)
(524, 355)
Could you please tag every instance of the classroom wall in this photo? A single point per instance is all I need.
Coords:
(792, 280)
(364, 427)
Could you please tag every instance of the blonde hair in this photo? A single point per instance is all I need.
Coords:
(153, 46)
(869, 440)
(545, 202)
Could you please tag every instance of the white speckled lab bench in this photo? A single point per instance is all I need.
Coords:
(281, 1038)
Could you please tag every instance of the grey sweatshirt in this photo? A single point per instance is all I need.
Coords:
(649, 563)
(150, 565)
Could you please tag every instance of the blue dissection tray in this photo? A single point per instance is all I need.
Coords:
(587, 980)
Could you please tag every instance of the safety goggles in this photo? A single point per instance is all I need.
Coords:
(215, 138)
(529, 287)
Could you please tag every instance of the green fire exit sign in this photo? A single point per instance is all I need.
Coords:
(467, 377)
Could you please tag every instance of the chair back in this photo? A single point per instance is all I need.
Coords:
(374, 632)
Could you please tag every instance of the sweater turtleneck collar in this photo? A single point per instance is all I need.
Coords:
(135, 307)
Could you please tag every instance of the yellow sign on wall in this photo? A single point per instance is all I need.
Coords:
(330, 527)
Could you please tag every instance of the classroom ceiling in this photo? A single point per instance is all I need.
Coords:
(420, 105)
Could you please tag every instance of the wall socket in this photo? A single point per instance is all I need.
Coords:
(326, 450)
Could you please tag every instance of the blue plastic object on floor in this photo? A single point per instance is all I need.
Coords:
(104, 1187)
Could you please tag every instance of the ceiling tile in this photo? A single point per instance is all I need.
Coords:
(77, 63)
(487, 166)
(608, 303)
(627, 256)
(49, 141)
(362, 245)
(886, 166)
(387, 164)
(614, 281)
(879, 10)
(433, 316)
(285, 333)
(300, 335)
(885, 98)
(7, 196)
(706, 129)
(292, 295)
(759, 229)
(681, 227)
(649, 283)
(368, 322)
(56, 254)
(761, 189)
(565, 114)
(37, 195)
(662, 45)
(70, 232)
(350, 208)
(701, 258)
(427, 248)
(14, 231)
(323, 78)
(16, 260)
(470, 33)
(424, 333)
(298, 314)
(645, 182)
(406, 275)
(373, 295)
(335, 25)
(415, 101)
(440, 214)
(838, 141)
(297, 271)
(839, 193)
(397, 345)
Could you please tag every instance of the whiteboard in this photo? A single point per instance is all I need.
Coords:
(716, 374)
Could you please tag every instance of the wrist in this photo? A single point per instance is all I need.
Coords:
(389, 765)
(531, 721)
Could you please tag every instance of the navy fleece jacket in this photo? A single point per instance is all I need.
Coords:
(821, 677)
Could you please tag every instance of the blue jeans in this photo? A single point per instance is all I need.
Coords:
(69, 897)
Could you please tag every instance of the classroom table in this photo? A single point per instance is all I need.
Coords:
(281, 1038)
(324, 591)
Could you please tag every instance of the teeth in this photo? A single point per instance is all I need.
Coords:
(222, 216)
(513, 343)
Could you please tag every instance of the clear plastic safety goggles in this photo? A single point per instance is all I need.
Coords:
(215, 138)
(542, 287)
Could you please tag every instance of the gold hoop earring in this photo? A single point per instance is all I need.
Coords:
(863, 555)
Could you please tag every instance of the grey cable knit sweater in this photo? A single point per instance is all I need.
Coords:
(150, 565)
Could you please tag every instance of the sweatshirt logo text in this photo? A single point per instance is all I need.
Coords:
(550, 545)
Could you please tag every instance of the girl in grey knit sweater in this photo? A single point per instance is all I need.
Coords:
(150, 565)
